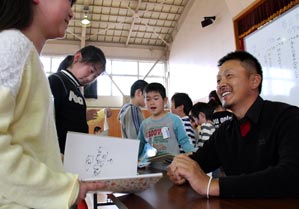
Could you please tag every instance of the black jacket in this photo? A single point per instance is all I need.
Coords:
(264, 163)
(70, 106)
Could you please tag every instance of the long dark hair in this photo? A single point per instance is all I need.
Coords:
(65, 63)
(16, 14)
(93, 55)
(90, 54)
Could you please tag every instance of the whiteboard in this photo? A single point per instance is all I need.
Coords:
(276, 46)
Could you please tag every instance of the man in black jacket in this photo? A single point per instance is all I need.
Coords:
(258, 148)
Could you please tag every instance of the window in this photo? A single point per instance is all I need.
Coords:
(51, 63)
(119, 75)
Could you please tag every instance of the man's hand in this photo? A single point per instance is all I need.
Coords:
(183, 168)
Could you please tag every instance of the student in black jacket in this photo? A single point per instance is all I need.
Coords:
(220, 114)
(257, 148)
(80, 69)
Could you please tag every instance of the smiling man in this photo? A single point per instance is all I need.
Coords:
(258, 148)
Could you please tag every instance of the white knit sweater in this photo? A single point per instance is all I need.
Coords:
(31, 174)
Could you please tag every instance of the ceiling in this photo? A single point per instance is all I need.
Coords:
(146, 23)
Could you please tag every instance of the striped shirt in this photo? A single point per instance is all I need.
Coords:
(189, 131)
(206, 130)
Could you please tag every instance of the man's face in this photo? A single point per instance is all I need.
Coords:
(234, 84)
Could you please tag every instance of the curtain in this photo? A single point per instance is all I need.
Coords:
(262, 14)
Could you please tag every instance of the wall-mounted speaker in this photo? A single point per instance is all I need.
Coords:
(208, 21)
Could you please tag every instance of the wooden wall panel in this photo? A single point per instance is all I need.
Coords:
(113, 122)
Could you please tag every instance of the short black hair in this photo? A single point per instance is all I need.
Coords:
(139, 84)
(182, 99)
(97, 129)
(248, 61)
(156, 87)
(202, 107)
(191, 119)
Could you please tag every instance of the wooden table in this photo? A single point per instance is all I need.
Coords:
(166, 195)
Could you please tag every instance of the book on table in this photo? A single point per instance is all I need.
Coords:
(167, 157)
(109, 159)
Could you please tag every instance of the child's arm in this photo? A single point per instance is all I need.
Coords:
(182, 136)
(141, 138)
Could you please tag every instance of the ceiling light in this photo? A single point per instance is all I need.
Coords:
(85, 20)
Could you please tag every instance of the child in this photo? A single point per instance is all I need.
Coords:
(195, 129)
(32, 174)
(97, 130)
(162, 130)
(70, 107)
(220, 114)
(130, 115)
(202, 114)
(181, 105)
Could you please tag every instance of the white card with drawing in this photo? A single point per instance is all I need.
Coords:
(100, 157)
(109, 159)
